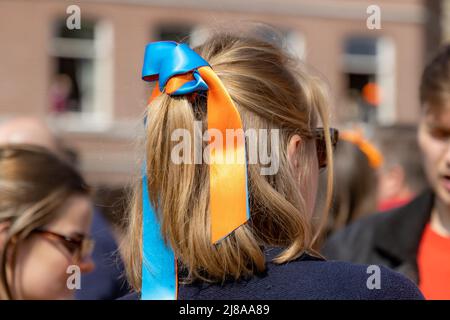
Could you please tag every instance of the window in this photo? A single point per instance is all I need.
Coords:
(369, 72)
(290, 40)
(80, 93)
(174, 32)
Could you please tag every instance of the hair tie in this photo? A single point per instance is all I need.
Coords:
(179, 70)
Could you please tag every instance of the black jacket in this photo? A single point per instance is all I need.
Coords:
(391, 239)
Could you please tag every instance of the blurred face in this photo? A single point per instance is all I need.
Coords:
(391, 182)
(434, 141)
(42, 262)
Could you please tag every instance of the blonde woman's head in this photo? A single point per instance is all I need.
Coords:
(271, 91)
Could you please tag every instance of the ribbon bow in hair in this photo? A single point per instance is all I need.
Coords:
(179, 70)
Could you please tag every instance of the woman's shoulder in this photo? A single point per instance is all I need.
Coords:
(308, 277)
(317, 278)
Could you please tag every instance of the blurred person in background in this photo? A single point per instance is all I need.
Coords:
(45, 218)
(401, 177)
(355, 179)
(106, 281)
(414, 239)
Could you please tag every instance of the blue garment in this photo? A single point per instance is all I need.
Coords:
(107, 281)
(305, 278)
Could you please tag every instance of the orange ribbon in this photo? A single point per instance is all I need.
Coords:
(371, 152)
(228, 170)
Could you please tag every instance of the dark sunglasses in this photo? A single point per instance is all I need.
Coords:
(321, 146)
(79, 249)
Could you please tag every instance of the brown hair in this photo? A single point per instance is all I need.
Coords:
(435, 82)
(271, 91)
(34, 184)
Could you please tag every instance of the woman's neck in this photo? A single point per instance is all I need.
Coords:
(440, 219)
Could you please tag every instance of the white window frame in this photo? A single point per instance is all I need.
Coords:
(99, 118)
(382, 65)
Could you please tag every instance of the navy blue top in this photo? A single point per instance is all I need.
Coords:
(305, 278)
(106, 281)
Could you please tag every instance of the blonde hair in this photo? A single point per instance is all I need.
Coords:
(271, 91)
(34, 184)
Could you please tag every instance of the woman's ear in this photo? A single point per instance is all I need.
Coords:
(293, 149)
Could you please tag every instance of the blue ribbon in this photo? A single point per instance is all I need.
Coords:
(162, 61)
(165, 59)
(158, 259)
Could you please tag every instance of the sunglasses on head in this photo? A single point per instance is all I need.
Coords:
(321, 146)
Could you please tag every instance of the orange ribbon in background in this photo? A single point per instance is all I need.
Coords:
(371, 152)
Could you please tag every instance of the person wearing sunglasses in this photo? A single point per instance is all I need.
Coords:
(225, 231)
(45, 218)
